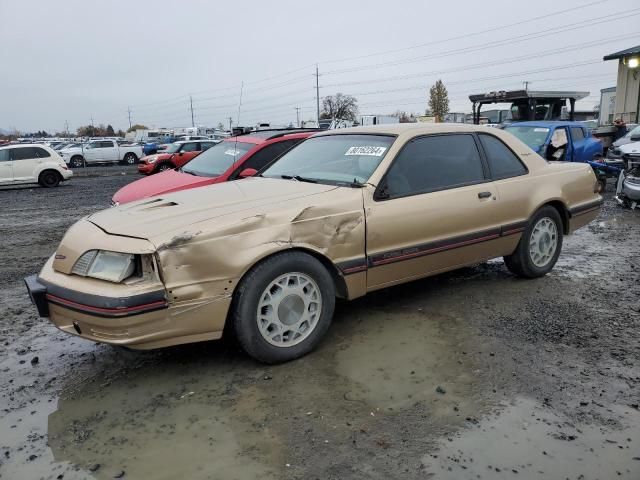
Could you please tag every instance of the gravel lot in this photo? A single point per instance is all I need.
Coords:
(471, 374)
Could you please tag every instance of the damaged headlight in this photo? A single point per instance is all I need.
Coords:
(152, 159)
(105, 265)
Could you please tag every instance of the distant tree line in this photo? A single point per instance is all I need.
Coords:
(99, 131)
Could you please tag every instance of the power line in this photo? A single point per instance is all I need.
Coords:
(469, 35)
(520, 58)
(303, 78)
(496, 43)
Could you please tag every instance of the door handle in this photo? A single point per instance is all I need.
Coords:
(484, 194)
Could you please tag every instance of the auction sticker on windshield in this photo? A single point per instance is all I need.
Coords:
(231, 151)
(366, 150)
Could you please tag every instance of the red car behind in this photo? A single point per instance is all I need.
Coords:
(174, 156)
(220, 163)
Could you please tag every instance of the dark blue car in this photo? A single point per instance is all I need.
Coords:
(560, 141)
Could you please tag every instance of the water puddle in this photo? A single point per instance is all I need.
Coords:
(527, 439)
(204, 411)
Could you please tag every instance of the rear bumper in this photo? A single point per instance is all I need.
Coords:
(66, 174)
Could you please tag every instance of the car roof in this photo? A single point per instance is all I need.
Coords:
(548, 123)
(20, 145)
(261, 136)
(408, 128)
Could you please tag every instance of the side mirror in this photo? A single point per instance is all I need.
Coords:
(180, 154)
(247, 172)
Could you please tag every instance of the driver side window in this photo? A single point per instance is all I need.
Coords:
(432, 163)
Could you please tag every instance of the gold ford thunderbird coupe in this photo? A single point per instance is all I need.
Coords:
(342, 214)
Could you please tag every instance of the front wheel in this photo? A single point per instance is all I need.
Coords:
(539, 247)
(163, 167)
(283, 307)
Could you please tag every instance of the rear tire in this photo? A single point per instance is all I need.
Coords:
(49, 179)
(76, 162)
(539, 247)
(130, 158)
(283, 307)
(602, 184)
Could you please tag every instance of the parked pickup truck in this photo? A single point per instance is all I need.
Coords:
(101, 151)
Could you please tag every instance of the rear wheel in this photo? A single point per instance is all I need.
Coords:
(49, 179)
(76, 162)
(130, 158)
(602, 184)
(539, 247)
(283, 307)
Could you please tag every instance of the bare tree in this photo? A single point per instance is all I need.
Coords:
(439, 101)
(344, 107)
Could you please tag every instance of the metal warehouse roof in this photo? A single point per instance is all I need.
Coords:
(623, 53)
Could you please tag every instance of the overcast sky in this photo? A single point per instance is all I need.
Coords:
(70, 60)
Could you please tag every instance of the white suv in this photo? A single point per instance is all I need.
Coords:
(32, 164)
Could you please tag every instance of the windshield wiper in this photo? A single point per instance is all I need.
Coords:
(298, 178)
(182, 170)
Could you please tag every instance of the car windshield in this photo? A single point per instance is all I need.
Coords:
(173, 148)
(336, 159)
(217, 159)
(534, 137)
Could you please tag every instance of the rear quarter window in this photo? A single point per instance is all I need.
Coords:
(42, 153)
(503, 163)
(24, 153)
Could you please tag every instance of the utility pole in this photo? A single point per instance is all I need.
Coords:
(66, 127)
(93, 129)
(526, 85)
(298, 116)
(317, 96)
(193, 123)
(129, 112)
(230, 122)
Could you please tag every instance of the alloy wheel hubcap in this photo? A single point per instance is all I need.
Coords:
(543, 242)
(289, 309)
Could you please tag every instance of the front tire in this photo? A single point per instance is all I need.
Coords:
(163, 167)
(283, 307)
(540, 245)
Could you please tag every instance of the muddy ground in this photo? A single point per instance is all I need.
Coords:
(472, 374)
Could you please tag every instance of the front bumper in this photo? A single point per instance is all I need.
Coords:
(141, 321)
(145, 168)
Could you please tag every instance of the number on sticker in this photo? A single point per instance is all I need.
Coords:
(366, 150)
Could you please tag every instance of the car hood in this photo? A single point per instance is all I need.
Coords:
(159, 156)
(159, 184)
(621, 141)
(227, 203)
(633, 147)
(69, 151)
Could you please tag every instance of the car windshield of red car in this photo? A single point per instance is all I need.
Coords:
(217, 160)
